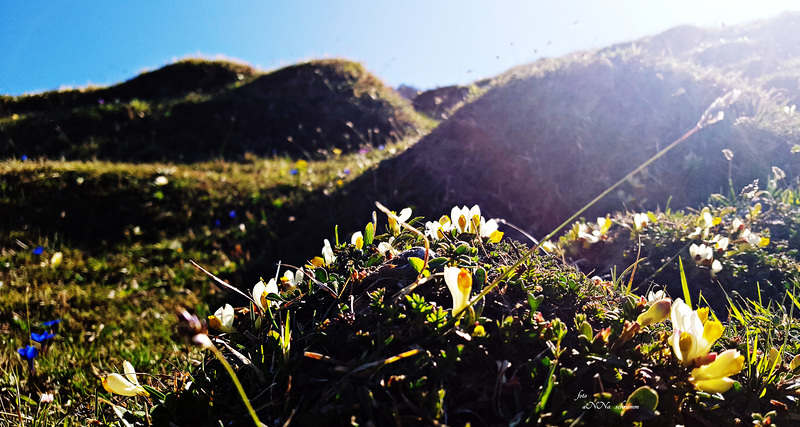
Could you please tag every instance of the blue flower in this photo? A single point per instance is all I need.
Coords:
(217, 223)
(42, 337)
(38, 251)
(28, 353)
(24, 157)
(346, 171)
(52, 322)
(293, 172)
(232, 214)
(381, 147)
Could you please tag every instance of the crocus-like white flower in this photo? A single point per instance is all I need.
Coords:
(702, 254)
(692, 338)
(161, 180)
(459, 282)
(640, 221)
(357, 240)
(387, 249)
(713, 378)
(222, 319)
(260, 292)
(720, 243)
(489, 230)
(716, 267)
(327, 253)
(466, 220)
(749, 241)
(436, 229)
(403, 216)
(126, 385)
(654, 296)
(292, 278)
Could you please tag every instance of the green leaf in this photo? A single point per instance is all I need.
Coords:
(417, 263)
(479, 278)
(684, 285)
(644, 398)
(437, 262)
(369, 234)
(534, 302)
(153, 392)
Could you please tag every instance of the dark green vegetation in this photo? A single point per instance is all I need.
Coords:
(195, 111)
(260, 168)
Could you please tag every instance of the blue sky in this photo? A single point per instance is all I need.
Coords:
(47, 44)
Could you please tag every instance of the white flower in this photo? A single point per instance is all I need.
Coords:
(655, 296)
(459, 282)
(436, 230)
(716, 267)
(692, 339)
(161, 180)
(403, 216)
(357, 240)
(387, 249)
(702, 254)
(222, 319)
(720, 243)
(292, 278)
(327, 253)
(489, 229)
(640, 221)
(260, 292)
(126, 385)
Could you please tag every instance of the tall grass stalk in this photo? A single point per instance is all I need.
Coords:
(713, 114)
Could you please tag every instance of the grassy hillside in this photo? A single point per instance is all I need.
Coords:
(255, 169)
(197, 111)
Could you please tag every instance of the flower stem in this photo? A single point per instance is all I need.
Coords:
(238, 384)
(569, 220)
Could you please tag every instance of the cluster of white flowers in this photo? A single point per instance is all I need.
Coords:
(464, 220)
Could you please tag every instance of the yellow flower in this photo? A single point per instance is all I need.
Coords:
(126, 385)
(489, 229)
(691, 339)
(713, 378)
(436, 229)
(658, 311)
(260, 292)
(56, 259)
(403, 216)
(466, 220)
(357, 240)
(222, 319)
(459, 282)
(292, 278)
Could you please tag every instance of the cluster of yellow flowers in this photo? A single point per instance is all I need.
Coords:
(693, 334)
